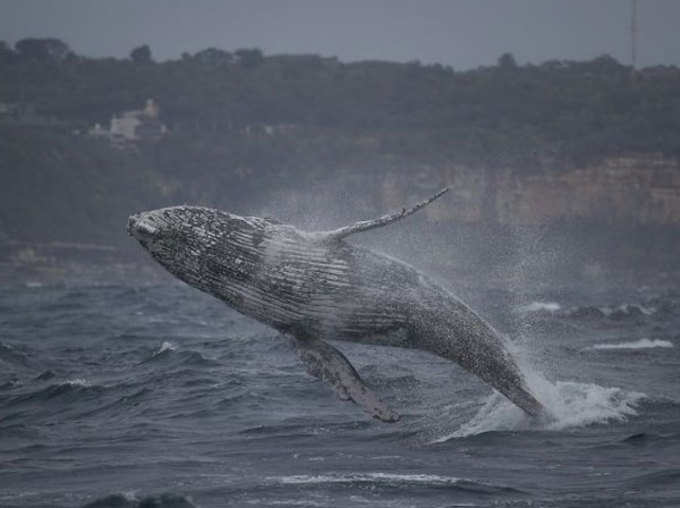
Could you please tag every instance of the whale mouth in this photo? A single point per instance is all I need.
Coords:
(141, 228)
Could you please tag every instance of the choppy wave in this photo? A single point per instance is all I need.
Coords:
(636, 344)
(13, 355)
(156, 390)
(130, 500)
(73, 388)
(166, 346)
(171, 353)
(376, 477)
(622, 312)
(660, 479)
(398, 480)
(628, 309)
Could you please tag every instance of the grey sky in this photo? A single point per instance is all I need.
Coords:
(461, 33)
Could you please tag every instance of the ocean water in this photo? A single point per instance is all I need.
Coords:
(160, 396)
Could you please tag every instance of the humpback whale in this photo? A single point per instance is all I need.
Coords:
(315, 287)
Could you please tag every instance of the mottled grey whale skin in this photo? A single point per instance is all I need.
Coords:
(317, 287)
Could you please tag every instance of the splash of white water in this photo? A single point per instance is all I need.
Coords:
(569, 404)
(166, 346)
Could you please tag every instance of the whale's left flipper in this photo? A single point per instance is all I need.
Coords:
(330, 365)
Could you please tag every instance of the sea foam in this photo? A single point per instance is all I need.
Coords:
(636, 344)
(540, 306)
(166, 346)
(375, 477)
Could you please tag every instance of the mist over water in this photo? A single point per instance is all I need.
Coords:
(121, 395)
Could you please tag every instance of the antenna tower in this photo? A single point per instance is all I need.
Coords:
(633, 33)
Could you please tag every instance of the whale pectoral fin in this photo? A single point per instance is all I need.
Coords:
(328, 364)
(365, 225)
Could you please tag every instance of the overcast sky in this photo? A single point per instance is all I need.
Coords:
(461, 33)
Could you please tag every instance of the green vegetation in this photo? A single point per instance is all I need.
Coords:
(572, 109)
(241, 120)
(55, 187)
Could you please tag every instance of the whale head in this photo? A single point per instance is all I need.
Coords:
(207, 248)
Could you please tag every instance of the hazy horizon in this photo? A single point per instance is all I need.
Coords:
(463, 34)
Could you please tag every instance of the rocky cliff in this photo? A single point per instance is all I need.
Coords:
(637, 189)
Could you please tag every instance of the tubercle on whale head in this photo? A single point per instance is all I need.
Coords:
(141, 226)
(195, 243)
(206, 222)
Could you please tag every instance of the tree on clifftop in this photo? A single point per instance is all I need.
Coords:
(250, 57)
(141, 54)
(6, 53)
(507, 61)
(43, 49)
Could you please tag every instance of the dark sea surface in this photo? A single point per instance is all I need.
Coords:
(160, 396)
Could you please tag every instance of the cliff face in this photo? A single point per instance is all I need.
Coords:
(632, 190)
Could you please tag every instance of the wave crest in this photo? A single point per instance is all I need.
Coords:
(636, 344)
(166, 346)
(129, 500)
(540, 307)
(383, 480)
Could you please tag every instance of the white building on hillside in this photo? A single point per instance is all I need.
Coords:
(135, 125)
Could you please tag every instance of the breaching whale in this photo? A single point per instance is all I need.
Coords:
(314, 286)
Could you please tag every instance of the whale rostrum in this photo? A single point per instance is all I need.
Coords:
(315, 287)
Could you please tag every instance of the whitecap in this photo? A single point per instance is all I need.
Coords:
(540, 306)
(637, 344)
(166, 346)
(627, 308)
(286, 502)
(376, 477)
